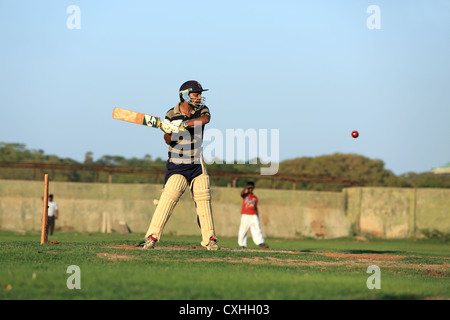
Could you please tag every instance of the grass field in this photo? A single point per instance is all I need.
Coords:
(111, 267)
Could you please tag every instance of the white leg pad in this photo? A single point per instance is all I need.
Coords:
(173, 190)
(202, 196)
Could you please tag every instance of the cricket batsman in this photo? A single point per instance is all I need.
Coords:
(183, 129)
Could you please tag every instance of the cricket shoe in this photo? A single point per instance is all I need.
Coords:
(212, 244)
(263, 245)
(149, 243)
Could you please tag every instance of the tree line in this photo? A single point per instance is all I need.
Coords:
(368, 172)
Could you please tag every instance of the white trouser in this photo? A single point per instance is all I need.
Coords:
(250, 221)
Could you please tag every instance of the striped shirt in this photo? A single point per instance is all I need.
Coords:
(186, 146)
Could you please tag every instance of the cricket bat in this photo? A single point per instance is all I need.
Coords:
(137, 117)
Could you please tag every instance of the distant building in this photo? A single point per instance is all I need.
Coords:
(442, 170)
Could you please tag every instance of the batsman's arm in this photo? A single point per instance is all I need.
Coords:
(167, 138)
(202, 120)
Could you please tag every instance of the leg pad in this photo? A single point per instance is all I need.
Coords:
(173, 190)
(202, 196)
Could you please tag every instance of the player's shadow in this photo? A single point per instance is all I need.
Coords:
(355, 251)
(371, 252)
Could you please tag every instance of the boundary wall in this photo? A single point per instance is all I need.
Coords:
(360, 211)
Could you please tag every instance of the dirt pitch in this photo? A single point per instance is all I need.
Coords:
(343, 259)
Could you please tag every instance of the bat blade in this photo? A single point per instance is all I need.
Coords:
(136, 117)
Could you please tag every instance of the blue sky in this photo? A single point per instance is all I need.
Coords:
(311, 69)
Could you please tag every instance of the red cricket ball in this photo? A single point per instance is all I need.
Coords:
(355, 134)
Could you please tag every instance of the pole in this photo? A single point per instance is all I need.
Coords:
(44, 235)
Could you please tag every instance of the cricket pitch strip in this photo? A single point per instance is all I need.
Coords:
(342, 259)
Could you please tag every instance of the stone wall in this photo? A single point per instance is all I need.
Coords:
(95, 207)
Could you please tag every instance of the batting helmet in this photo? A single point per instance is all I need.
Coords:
(192, 86)
(188, 87)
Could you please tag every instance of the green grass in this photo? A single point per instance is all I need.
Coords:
(290, 270)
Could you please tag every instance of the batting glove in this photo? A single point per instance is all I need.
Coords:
(177, 125)
(166, 126)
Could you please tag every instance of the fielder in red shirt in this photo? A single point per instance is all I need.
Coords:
(250, 218)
